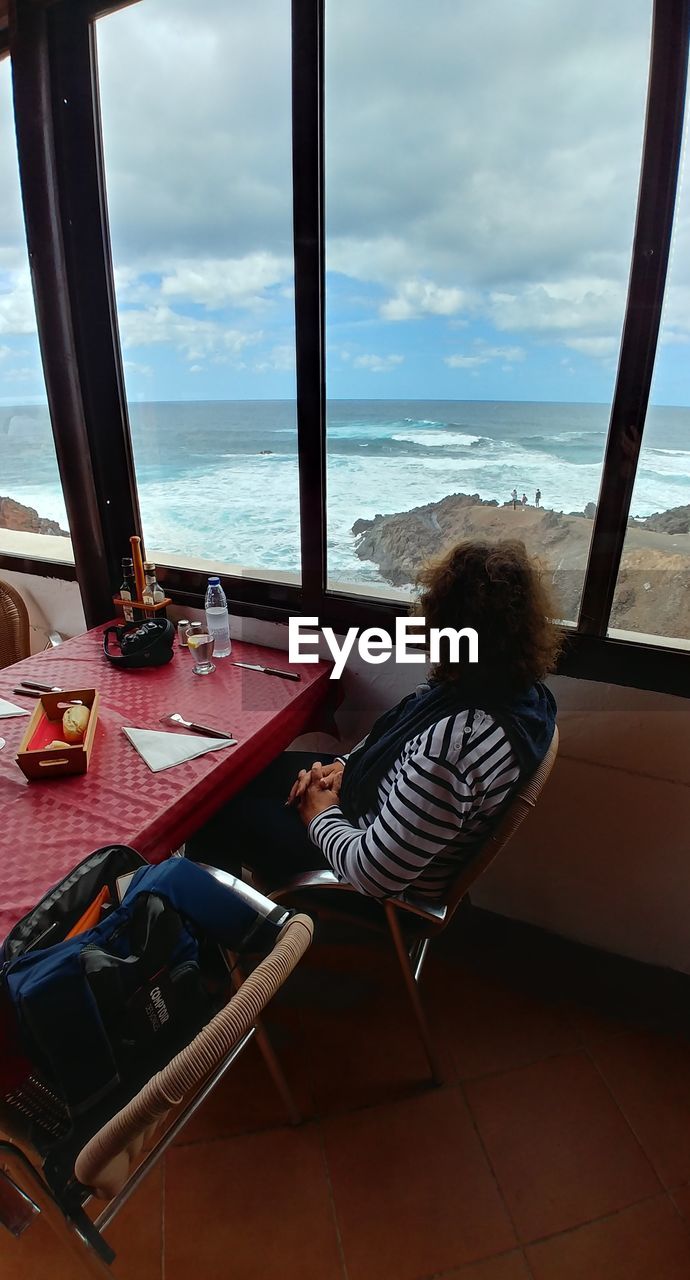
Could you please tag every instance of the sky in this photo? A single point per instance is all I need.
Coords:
(482, 162)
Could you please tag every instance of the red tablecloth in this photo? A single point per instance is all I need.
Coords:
(47, 827)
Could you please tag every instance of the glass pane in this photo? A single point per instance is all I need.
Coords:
(33, 520)
(482, 172)
(653, 592)
(197, 138)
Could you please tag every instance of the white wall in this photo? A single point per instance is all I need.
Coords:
(605, 858)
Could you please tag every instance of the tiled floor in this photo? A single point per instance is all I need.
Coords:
(557, 1149)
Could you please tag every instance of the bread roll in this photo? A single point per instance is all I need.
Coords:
(74, 723)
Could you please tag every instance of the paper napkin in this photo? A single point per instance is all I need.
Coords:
(162, 750)
(8, 709)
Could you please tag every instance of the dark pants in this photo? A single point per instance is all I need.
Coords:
(255, 829)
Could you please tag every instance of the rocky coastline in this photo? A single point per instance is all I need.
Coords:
(653, 590)
(13, 515)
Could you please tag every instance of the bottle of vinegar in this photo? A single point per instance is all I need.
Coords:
(217, 619)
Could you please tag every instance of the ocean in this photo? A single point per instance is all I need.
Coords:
(218, 479)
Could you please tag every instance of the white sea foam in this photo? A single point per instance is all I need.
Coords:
(221, 507)
(437, 439)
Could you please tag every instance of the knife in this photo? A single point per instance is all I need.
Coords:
(268, 671)
(176, 719)
(42, 688)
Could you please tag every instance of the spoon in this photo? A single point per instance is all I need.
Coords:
(176, 718)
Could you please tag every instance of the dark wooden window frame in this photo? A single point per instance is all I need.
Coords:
(55, 78)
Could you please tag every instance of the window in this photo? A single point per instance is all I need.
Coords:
(482, 165)
(33, 520)
(653, 589)
(486, 322)
(195, 109)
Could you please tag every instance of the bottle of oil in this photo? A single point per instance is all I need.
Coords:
(128, 590)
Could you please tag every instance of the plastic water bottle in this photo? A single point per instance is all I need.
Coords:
(217, 619)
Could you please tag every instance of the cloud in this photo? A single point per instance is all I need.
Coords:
(480, 167)
(377, 364)
(485, 355)
(280, 359)
(422, 297)
(193, 336)
(219, 282)
(17, 313)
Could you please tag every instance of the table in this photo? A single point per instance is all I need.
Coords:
(48, 827)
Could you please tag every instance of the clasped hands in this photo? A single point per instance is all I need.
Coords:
(316, 789)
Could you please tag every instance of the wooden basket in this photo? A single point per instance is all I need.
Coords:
(46, 723)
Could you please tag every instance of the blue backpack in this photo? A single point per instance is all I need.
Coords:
(112, 1004)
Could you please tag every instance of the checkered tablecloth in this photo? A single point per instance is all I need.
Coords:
(47, 827)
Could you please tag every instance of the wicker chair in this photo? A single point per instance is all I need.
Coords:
(424, 919)
(14, 626)
(106, 1167)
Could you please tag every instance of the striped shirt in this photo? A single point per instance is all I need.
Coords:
(434, 806)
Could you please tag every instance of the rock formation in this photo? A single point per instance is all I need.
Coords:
(653, 591)
(13, 515)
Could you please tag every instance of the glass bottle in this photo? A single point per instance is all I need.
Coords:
(128, 590)
(153, 591)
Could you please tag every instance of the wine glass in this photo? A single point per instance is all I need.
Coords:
(201, 645)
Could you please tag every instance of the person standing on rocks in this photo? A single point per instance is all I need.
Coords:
(524, 499)
(515, 498)
(537, 498)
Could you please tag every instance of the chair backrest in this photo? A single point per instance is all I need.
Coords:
(519, 807)
(106, 1162)
(14, 626)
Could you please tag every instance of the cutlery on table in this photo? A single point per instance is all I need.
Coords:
(41, 689)
(177, 719)
(268, 671)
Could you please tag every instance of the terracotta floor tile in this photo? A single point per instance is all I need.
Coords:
(413, 1192)
(682, 1198)
(649, 1076)
(646, 1242)
(510, 1266)
(247, 1099)
(135, 1235)
(490, 1025)
(254, 1207)
(360, 1040)
(561, 1150)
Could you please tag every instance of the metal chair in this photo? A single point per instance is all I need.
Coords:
(432, 918)
(14, 626)
(106, 1166)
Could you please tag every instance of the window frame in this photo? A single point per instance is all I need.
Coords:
(57, 112)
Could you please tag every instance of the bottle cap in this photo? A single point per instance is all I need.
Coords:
(214, 582)
(148, 567)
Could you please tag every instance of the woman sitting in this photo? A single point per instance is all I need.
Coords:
(424, 788)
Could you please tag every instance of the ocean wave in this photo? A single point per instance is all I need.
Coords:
(673, 464)
(437, 439)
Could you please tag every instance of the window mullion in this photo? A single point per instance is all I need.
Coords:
(308, 231)
(651, 246)
(38, 166)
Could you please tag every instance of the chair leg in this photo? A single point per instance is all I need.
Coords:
(413, 991)
(417, 954)
(83, 1255)
(270, 1057)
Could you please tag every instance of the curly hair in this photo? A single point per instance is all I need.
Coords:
(497, 589)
